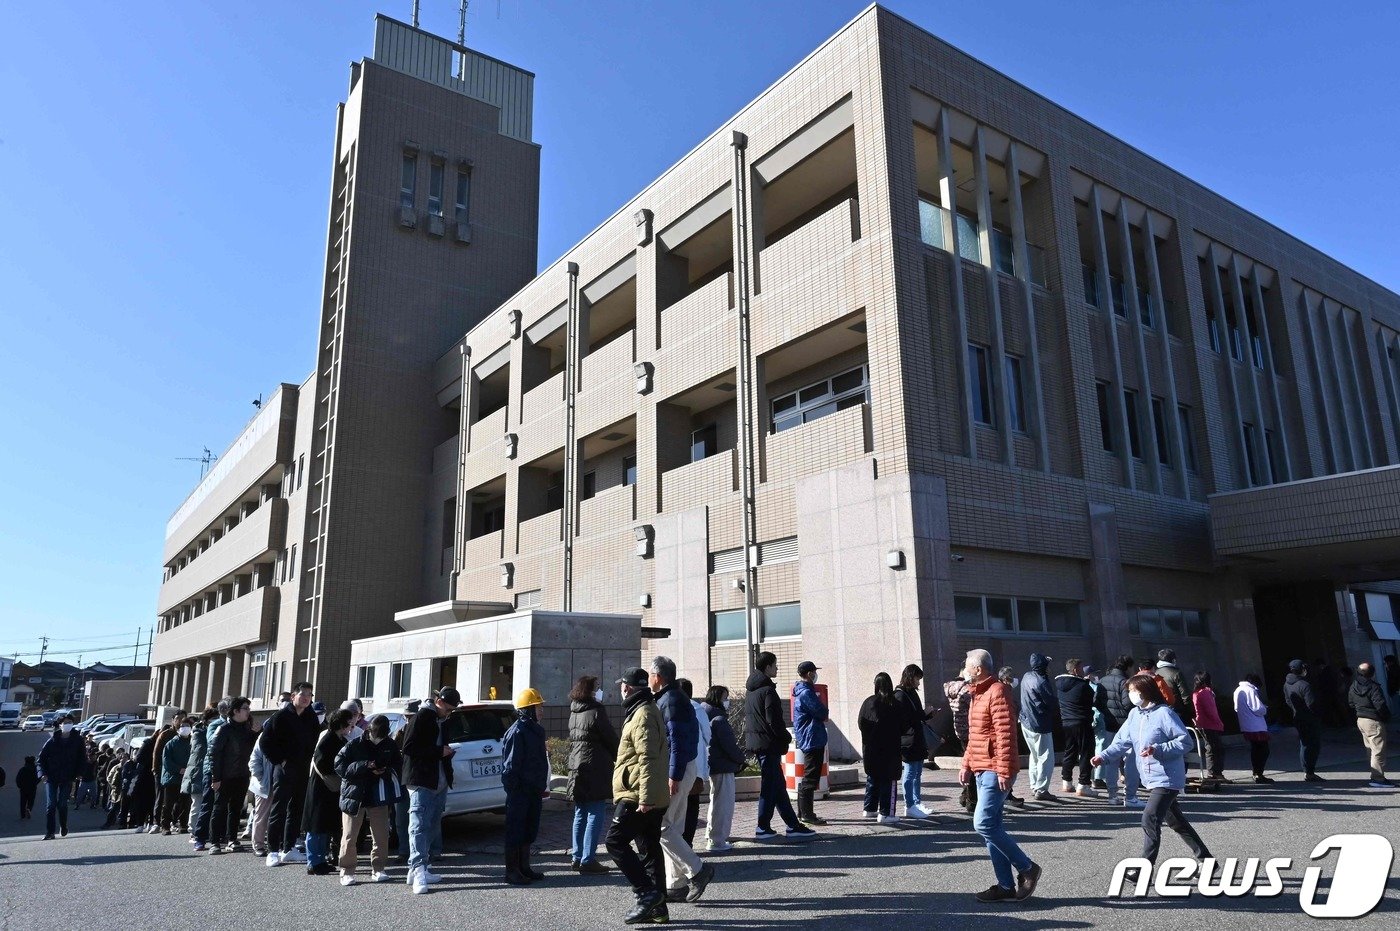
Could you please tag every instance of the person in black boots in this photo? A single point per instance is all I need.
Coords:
(525, 775)
(641, 794)
(227, 765)
(61, 761)
(766, 737)
(1302, 699)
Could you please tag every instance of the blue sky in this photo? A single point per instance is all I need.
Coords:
(164, 176)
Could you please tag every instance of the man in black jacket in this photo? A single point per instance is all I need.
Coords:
(1367, 699)
(1298, 693)
(288, 740)
(1114, 686)
(766, 737)
(60, 762)
(1076, 697)
(428, 761)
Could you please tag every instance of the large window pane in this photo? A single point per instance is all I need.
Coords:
(981, 384)
(1195, 623)
(1171, 623)
(968, 613)
(999, 614)
(1028, 616)
(1150, 622)
(782, 621)
(1061, 617)
(931, 224)
(726, 626)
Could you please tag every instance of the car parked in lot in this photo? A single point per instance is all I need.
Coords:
(128, 736)
(475, 731)
(35, 722)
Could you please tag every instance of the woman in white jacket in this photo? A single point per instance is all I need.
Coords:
(260, 785)
(702, 764)
(1250, 708)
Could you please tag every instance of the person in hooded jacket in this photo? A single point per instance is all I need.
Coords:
(1076, 699)
(27, 782)
(193, 783)
(1298, 693)
(882, 721)
(1040, 710)
(321, 813)
(260, 786)
(1167, 669)
(162, 737)
(766, 737)
(525, 775)
(1208, 720)
(1115, 710)
(368, 766)
(702, 764)
(1156, 735)
(1368, 701)
(726, 760)
(592, 753)
(1254, 726)
(203, 827)
(61, 761)
(226, 768)
(809, 717)
(144, 790)
(174, 760)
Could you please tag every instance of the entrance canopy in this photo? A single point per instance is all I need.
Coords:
(449, 612)
(1343, 527)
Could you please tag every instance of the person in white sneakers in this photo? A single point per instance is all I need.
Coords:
(368, 766)
(429, 759)
(881, 721)
(913, 744)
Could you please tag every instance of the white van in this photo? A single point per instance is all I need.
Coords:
(475, 730)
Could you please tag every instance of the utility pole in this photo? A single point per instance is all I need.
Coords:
(136, 652)
(43, 649)
(149, 637)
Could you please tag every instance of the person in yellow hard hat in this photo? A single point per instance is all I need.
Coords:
(525, 776)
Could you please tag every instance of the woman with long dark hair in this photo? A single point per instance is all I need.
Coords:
(913, 744)
(1158, 739)
(592, 752)
(1208, 720)
(881, 724)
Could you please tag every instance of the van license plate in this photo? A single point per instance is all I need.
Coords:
(482, 769)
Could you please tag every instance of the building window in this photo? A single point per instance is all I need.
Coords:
(435, 189)
(530, 599)
(408, 186)
(301, 469)
(1271, 446)
(1250, 459)
(1159, 430)
(257, 675)
(1151, 622)
(400, 680)
(1015, 393)
(493, 519)
(1001, 614)
(629, 470)
(590, 485)
(364, 682)
(1188, 441)
(817, 400)
(1105, 421)
(1130, 402)
(781, 621)
(292, 567)
(464, 193)
(704, 443)
(981, 384)
(727, 626)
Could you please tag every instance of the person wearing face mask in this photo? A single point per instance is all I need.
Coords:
(227, 764)
(1040, 712)
(1155, 735)
(592, 753)
(809, 716)
(174, 760)
(640, 793)
(321, 814)
(726, 759)
(990, 763)
(913, 744)
(157, 762)
(702, 764)
(368, 766)
(525, 775)
(288, 740)
(61, 761)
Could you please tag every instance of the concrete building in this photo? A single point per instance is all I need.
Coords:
(7, 670)
(121, 695)
(311, 529)
(905, 359)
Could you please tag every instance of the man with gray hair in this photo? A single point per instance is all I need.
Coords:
(991, 761)
(686, 875)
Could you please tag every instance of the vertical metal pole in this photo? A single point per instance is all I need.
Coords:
(459, 530)
(571, 378)
(747, 427)
(415, 14)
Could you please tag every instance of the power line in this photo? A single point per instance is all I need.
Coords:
(80, 652)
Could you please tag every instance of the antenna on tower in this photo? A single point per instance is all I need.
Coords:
(415, 14)
(204, 459)
(462, 24)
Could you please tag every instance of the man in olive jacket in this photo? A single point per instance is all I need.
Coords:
(641, 795)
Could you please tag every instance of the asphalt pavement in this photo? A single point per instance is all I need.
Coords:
(856, 876)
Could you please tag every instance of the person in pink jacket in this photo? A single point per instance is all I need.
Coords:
(1208, 720)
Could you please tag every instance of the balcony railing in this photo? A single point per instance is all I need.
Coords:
(699, 482)
(261, 533)
(970, 244)
(610, 509)
(540, 532)
(244, 620)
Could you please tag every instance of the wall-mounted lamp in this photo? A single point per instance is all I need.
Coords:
(515, 317)
(895, 559)
(644, 599)
(642, 219)
(956, 557)
(643, 372)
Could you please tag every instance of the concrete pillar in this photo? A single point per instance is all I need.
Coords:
(1271, 374)
(1331, 457)
(1146, 427)
(1154, 286)
(1001, 398)
(682, 554)
(947, 192)
(1117, 402)
(1261, 444)
(1357, 357)
(1335, 366)
(233, 672)
(1236, 421)
(1023, 273)
(1106, 595)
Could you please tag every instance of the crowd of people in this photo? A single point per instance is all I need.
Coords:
(306, 786)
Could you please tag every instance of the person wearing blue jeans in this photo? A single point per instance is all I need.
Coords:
(425, 807)
(428, 773)
(913, 743)
(61, 761)
(991, 762)
(56, 796)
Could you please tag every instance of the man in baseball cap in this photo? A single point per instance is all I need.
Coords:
(809, 714)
